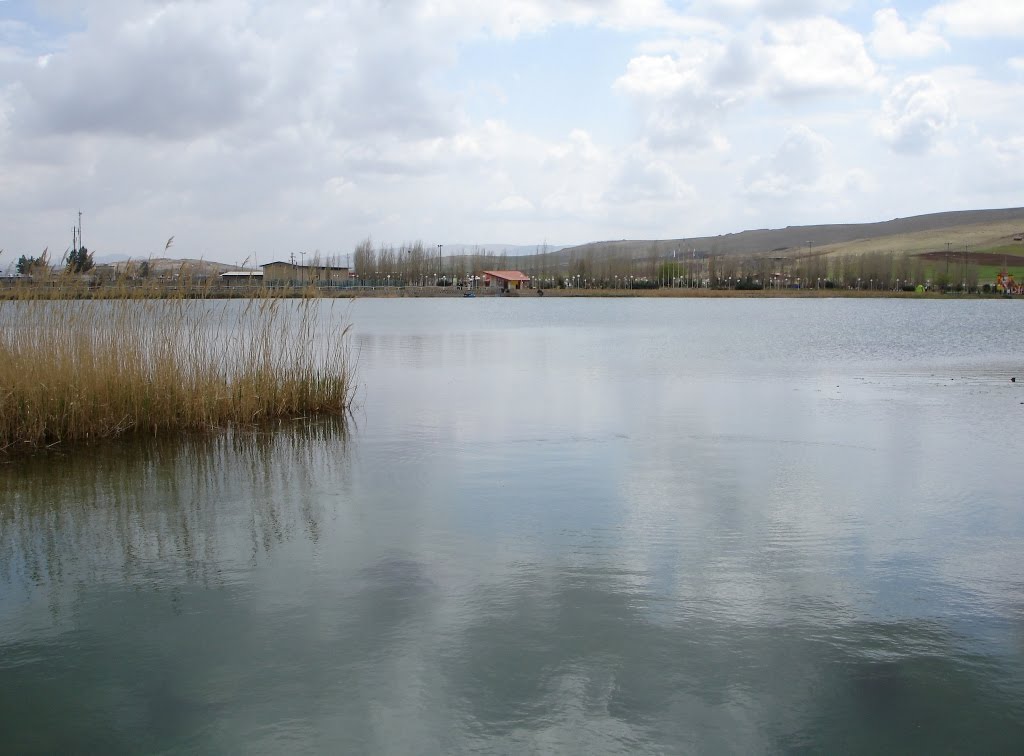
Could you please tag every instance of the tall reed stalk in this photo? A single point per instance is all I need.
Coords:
(73, 370)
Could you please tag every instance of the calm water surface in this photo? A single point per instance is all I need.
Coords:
(572, 526)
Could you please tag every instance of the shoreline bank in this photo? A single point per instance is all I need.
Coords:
(427, 292)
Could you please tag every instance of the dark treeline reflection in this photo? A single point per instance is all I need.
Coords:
(165, 511)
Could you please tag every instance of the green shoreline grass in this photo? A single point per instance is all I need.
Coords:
(79, 370)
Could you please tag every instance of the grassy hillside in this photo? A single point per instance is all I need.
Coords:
(922, 233)
(994, 236)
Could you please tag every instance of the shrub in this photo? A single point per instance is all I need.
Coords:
(75, 369)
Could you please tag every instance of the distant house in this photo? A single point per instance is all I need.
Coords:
(290, 274)
(13, 278)
(504, 280)
(241, 278)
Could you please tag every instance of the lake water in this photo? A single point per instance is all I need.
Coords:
(553, 526)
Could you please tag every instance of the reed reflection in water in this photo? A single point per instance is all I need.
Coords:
(127, 572)
(166, 511)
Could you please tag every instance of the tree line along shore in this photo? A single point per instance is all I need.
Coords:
(391, 274)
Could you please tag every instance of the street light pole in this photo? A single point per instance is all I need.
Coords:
(964, 285)
(439, 246)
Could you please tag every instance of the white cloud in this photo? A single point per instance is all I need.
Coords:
(643, 177)
(915, 114)
(177, 69)
(816, 56)
(993, 167)
(277, 125)
(678, 96)
(515, 18)
(892, 39)
(579, 148)
(1009, 152)
(513, 205)
(688, 92)
(169, 74)
(797, 166)
(772, 9)
(659, 77)
(980, 18)
(573, 175)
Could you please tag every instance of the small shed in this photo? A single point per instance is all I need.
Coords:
(242, 278)
(504, 280)
(290, 274)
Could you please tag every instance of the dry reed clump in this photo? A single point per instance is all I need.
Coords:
(73, 370)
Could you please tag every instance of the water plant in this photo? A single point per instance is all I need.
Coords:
(76, 370)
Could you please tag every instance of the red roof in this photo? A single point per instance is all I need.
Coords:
(507, 275)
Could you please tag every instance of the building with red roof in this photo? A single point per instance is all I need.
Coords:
(505, 280)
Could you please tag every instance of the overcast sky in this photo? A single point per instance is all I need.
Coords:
(259, 128)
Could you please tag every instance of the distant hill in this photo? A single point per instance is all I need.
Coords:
(512, 250)
(110, 259)
(168, 266)
(915, 234)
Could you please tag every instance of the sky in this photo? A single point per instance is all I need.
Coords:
(251, 130)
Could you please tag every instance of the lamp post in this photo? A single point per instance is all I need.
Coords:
(439, 246)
